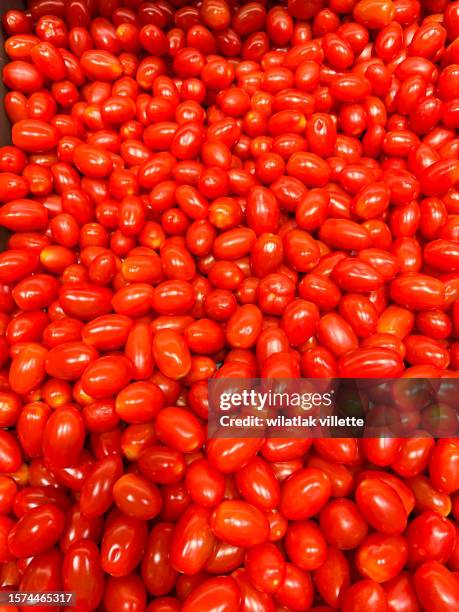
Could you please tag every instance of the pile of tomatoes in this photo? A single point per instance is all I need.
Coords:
(225, 189)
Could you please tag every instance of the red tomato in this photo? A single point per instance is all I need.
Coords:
(436, 586)
(192, 541)
(83, 574)
(171, 354)
(364, 592)
(97, 491)
(265, 567)
(125, 593)
(381, 557)
(239, 523)
(222, 591)
(47, 524)
(28, 368)
(304, 494)
(123, 545)
(63, 437)
(137, 497)
(257, 484)
(381, 506)
(332, 578)
(296, 591)
(139, 402)
(211, 483)
(305, 545)
(442, 464)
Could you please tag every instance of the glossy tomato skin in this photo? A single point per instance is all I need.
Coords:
(296, 590)
(339, 476)
(85, 301)
(439, 537)
(35, 292)
(157, 574)
(63, 437)
(46, 521)
(135, 496)
(8, 491)
(171, 354)
(139, 402)
(211, 483)
(369, 362)
(265, 567)
(6, 524)
(304, 494)
(371, 494)
(82, 571)
(23, 215)
(43, 573)
(97, 491)
(161, 464)
(257, 484)
(68, 360)
(441, 466)
(10, 453)
(364, 592)
(417, 292)
(192, 541)
(343, 524)
(336, 334)
(427, 497)
(106, 376)
(101, 65)
(400, 592)
(332, 578)
(78, 527)
(30, 429)
(413, 456)
(123, 544)
(381, 557)
(436, 586)
(138, 350)
(299, 321)
(305, 545)
(253, 527)
(125, 593)
(16, 264)
(28, 368)
(250, 595)
(229, 455)
(34, 136)
(244, 326)
(179, 429)
(222, 591)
